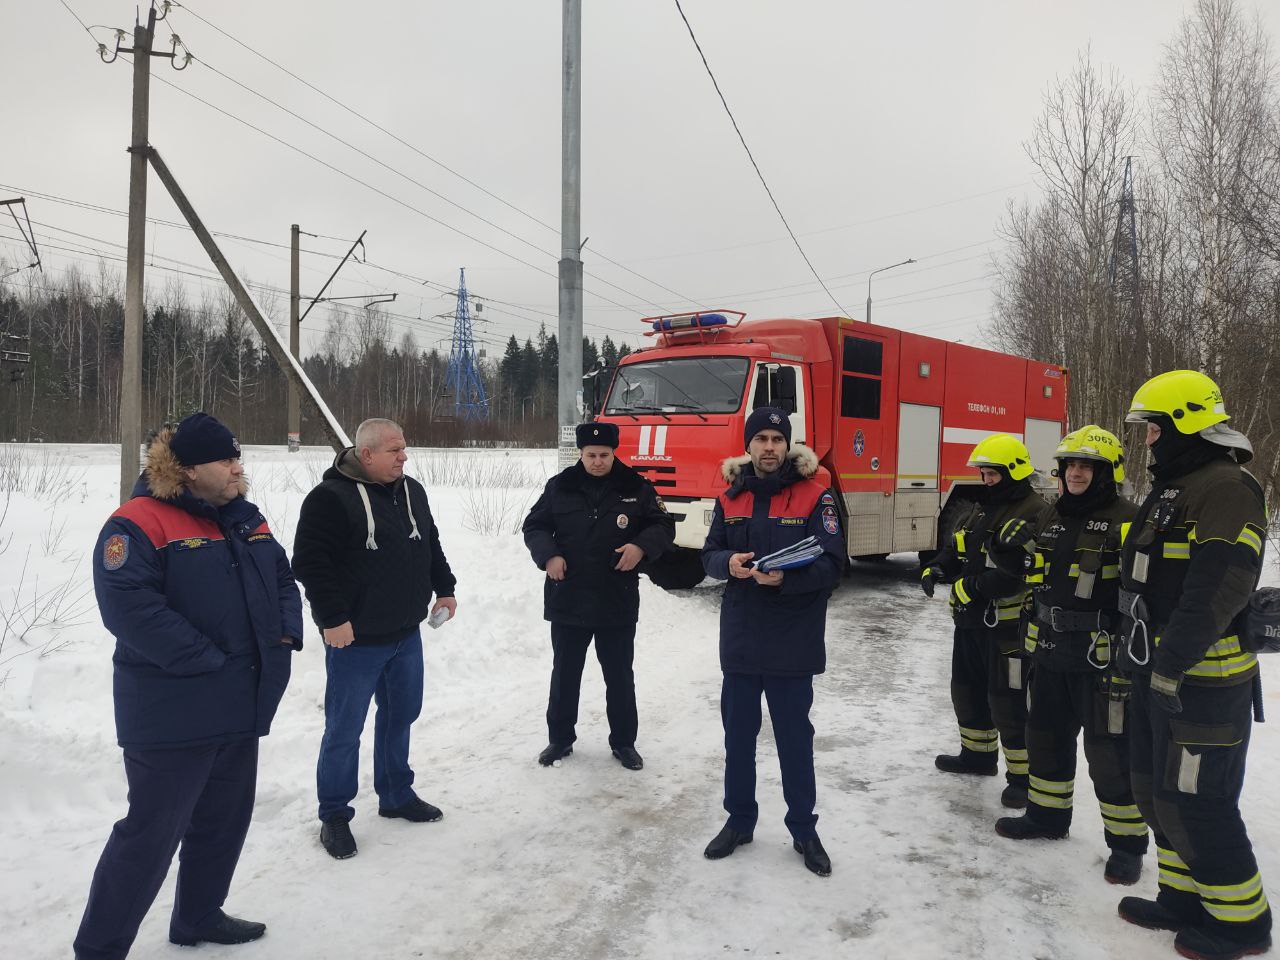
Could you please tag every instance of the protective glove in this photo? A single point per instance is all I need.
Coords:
(928, 578)
(1164, 693)
(1015, 533)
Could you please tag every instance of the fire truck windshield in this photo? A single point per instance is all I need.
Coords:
(683, 385)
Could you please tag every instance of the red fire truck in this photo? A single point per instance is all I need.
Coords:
(891, 415)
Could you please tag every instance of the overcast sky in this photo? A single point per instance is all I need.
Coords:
(885, 130)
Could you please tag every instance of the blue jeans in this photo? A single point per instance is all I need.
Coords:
(391, 675)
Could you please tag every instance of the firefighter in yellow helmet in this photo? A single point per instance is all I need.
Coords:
(1189, 564)
(988, 679)
(1071, 556)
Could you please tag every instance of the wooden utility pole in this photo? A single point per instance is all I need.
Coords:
(131, 367)
(295, 327)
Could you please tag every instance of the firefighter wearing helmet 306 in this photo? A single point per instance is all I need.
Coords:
(1190, 562)
(988, 688)
(1071, 554)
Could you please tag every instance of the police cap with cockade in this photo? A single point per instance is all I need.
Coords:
(597, 435)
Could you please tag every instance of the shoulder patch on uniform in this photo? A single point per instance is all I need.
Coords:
(830, 522)
(828, 499)
(115, 551)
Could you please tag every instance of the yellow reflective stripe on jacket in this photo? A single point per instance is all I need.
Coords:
(1250, 539)
(1033, 635)
(1111, 571)
(1224, 659)
(960, 542)
(1180, 550)
(1124, 531)
(959, 593)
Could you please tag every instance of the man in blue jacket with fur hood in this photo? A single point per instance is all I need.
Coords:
(772, 625)
(206, 614)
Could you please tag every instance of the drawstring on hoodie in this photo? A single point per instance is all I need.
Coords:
(369, 542)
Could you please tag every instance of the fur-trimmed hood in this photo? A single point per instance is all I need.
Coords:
(803, 460)
(163, 473)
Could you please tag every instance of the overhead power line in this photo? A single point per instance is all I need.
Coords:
(364, 118)
(755, 165)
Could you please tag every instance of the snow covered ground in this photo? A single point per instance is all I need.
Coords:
(587, 860)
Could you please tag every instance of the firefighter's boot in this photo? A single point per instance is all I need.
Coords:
(1210, 943)
(1123, 868)
(1154, 915)
(1027, 827)
(1014, 796)
(967, 762)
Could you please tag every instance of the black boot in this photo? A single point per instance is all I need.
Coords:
(959, 764)
(337, 839)
(1123, 868)
(1209, 943)
(815, 858)
(725, 842)
(554, 752)
(1014, 796)
(628, 757)
(1026, 827)
(224, 930)
(1153, 915)
(416, 810)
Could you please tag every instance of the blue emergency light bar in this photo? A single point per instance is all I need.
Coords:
(697, 320)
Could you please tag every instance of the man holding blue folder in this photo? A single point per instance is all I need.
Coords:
(772, 622)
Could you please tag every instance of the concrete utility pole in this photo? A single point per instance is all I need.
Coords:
(295, 326)
(570, 331)
(131, 367)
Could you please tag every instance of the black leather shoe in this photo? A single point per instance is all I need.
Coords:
(628, 757)
(815, 858)
(1027, 828)
(1202, 943)
(1123, 867)
(949, 764)
(223, 930)
(726, 841)
(416, 810)
(337, 839)
(554, 752)
(1151, 914)
(1014, 796)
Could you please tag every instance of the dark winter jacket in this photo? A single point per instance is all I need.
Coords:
(983, 595)
(1193, 554)
(199, 600)
(778, 631)
(377, 567)
(1073, 569)
(585, 520)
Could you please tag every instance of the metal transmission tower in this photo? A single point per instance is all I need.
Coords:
(469, 400)
(1122, 269)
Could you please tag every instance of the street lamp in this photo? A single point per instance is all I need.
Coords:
(872, 274)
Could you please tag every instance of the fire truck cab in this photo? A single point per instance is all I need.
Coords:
(891, 415)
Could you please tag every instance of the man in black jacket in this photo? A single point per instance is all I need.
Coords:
(593, 524)
(368, 553)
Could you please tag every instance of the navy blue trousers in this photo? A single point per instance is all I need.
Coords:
(615, 649)
(201, 797)
(789, 701)
(390, 674)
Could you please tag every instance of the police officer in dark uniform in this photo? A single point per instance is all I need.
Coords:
(1073, 568)
(594, 523)
(1190, 561)
(988, 679)
(772, 624)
